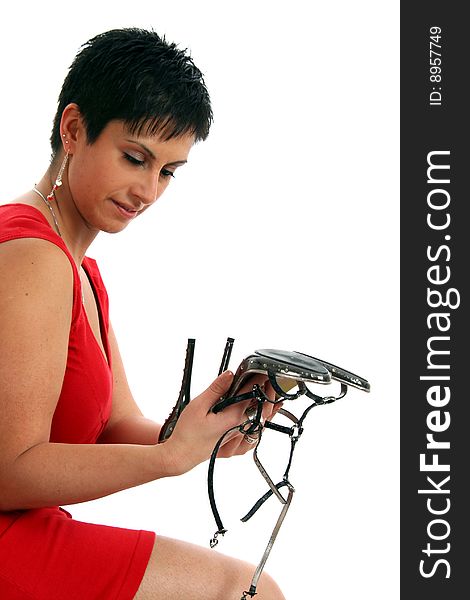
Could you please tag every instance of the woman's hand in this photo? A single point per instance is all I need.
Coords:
(198, 429)
(236, 443)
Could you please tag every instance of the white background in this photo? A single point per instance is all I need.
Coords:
(282, 231)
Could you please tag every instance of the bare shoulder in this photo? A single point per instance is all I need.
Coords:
(36, 296)
(29, 256)
(36, 289)
(33, 270)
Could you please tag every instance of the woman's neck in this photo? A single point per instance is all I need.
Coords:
(73, 229)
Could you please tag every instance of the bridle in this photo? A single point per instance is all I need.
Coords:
(254, 426)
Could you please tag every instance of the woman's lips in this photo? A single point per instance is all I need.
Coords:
(128, 213)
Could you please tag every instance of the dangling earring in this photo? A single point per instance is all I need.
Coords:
(58, 181)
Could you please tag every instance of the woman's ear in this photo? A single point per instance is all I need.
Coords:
(72, 128)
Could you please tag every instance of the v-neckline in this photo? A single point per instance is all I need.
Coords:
(104, 351)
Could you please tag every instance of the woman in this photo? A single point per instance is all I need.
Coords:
(131, 108)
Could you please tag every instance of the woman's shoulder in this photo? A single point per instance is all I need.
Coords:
(30, 248)
(24, 226)
(31, 254)
(36, 283)
(34, 259)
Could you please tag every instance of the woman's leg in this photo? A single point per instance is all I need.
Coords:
(179, 570)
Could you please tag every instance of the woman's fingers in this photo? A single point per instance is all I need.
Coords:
(199, 425)
(216, 390)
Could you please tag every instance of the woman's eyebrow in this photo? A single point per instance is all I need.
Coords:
(143, 146)
(175, 163)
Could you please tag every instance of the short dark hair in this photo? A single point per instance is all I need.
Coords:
(136, 76)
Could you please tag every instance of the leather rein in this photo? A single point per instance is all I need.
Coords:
(254, 425)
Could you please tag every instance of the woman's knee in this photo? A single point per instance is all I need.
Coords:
(180, 570)
(235, 578)
(228, 578)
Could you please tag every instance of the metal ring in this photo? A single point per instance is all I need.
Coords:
(250, 439)
(251, 412)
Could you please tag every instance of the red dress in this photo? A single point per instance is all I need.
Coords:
(44, 553)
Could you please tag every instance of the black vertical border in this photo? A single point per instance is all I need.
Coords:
(426, 128)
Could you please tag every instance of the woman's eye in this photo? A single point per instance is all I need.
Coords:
(133, 160)
(166, 173)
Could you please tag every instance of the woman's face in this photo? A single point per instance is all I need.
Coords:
(120, 175)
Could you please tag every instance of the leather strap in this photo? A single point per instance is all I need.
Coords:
(259, 569)
(184, 395)
(210, 488)
(226, 356)
(251, 425)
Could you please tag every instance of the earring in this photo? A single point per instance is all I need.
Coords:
(58, 181)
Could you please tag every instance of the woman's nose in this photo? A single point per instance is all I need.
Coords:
(146, 189)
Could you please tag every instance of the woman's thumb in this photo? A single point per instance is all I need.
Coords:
(218, 387)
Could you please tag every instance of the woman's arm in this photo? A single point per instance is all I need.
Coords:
(133, 429)
(35, 315)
